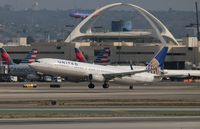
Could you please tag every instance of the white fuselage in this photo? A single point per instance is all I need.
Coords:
(181, 73)
(66, 68)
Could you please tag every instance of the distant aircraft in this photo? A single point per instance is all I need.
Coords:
(81, 15)
(100, 73)
(21, 70)
(78, 15)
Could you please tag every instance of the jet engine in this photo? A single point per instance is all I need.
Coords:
(96, 77)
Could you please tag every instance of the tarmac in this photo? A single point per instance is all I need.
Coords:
(147, 106)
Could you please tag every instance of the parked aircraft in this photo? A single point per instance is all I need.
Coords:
(101, 58)
(100, 73)
(23, 69)
(79, 55)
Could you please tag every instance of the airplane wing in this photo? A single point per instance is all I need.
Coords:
(111, 76)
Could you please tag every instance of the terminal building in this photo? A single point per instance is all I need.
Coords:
(179, 57)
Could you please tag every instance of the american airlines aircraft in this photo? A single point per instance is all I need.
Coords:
(103, 56)
(23, 69)
(100, 73)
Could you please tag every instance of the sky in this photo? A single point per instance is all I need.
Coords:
(92, 4)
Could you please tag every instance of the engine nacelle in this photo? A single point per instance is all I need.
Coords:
(96, 77)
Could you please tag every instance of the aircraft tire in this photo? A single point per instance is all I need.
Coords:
(105, 86)
(91, 86)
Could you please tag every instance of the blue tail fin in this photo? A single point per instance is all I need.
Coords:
(157, 63)
(31, 56)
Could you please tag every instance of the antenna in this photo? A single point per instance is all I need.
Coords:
(197, 18)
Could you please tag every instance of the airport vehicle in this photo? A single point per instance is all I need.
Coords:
(29, 85)
(22, 70)
(57, 79)
(100, 73)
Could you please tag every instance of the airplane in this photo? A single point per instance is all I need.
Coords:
(31, 56)
(79, 55)
(180, 74)
(101, 58)
(101, 73)
(23, 69)
(167, 73)
(78, 15)
(81, 15)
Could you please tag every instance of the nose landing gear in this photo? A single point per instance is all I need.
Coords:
(91, 86)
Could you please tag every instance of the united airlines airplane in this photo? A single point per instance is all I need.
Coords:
(23, 69)
(167, 73)
(100, 73)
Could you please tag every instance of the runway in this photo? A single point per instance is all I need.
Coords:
(105, 123)
(76, 100)
(76, 95)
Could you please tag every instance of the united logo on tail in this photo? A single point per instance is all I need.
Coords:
(156, 65)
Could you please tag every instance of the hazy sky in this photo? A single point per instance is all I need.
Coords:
(92, 4)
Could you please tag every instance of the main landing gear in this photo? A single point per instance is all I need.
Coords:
(91, 85)
(131, 87)
(105, 85)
